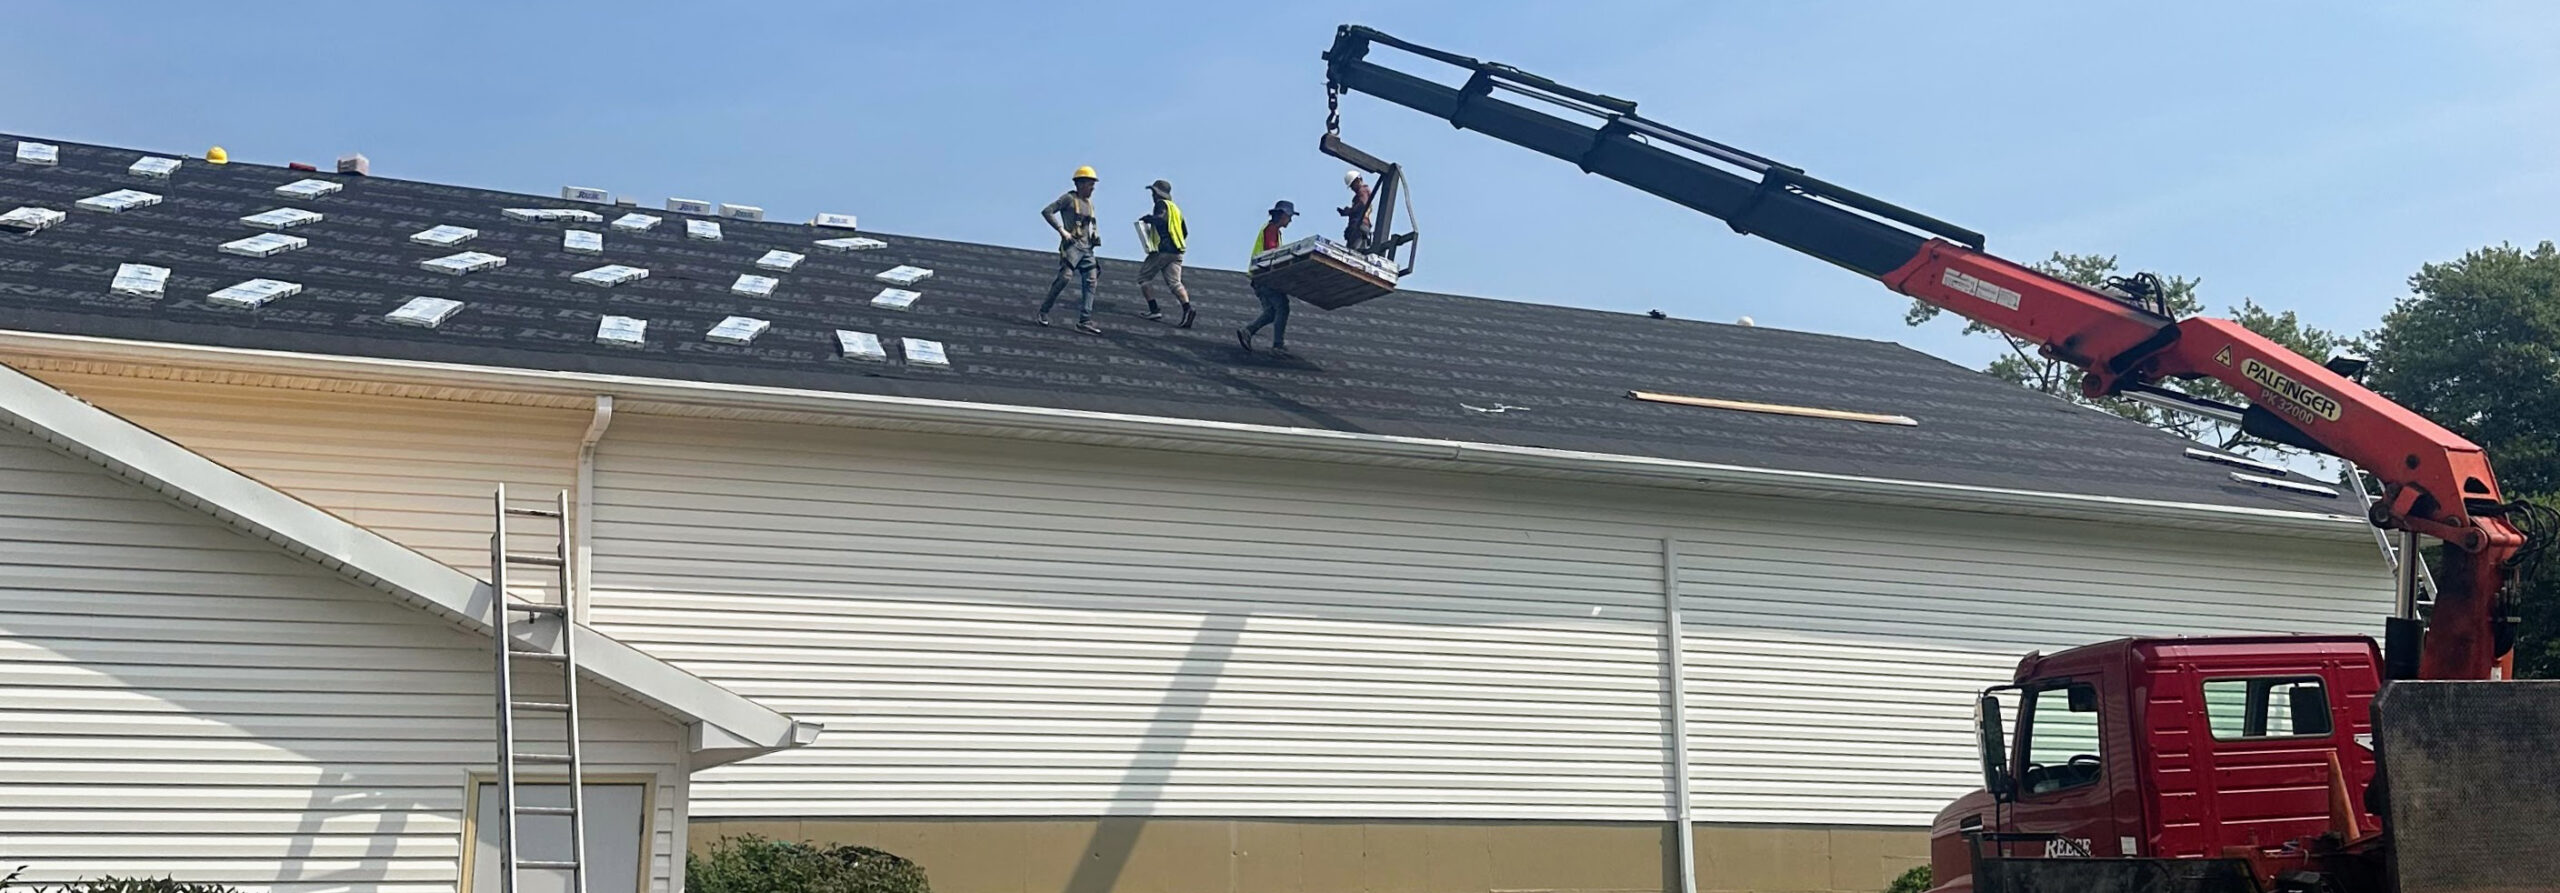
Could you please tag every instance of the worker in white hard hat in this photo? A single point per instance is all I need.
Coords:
(1355, 233)
(1072, 216)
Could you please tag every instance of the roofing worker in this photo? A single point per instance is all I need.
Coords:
(1275, 303)
(1355, 234)
(1072, 216)
(1164, 233)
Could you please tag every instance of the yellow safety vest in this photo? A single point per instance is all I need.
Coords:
(1257, 243)
(1172, 226)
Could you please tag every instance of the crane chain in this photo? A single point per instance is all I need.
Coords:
(1332, 107)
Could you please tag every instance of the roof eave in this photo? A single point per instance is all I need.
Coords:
(258, 510)
(673, 397)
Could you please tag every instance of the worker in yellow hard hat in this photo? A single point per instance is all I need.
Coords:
(1072, 216)
(215, 155)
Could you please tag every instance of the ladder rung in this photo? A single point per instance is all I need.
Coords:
(545, 810)
(535, 608)
(552, 706)
(539, 560)
(543, 757)
(545, 863)
(538, 655)
(534, 513)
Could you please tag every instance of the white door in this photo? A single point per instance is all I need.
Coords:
(616, 830)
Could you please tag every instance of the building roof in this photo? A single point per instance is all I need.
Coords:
(1412, 365)
(725, 726)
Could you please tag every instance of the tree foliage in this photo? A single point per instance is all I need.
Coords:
(2024, 367)
(2476, 347)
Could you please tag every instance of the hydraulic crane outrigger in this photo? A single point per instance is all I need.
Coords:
(2434, 482)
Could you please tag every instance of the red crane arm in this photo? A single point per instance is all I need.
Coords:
(2435, 482)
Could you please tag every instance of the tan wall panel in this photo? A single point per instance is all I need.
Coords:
(1134, 855)
(417, 471)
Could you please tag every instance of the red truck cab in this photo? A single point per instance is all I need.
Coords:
(2168, 748)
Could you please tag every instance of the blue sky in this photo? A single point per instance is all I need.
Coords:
(2308, 155)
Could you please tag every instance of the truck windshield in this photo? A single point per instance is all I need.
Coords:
(2058, 734)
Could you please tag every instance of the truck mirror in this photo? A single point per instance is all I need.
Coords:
(1995, 749)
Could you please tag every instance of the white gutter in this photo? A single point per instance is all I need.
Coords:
(671, 397)
(584, 509)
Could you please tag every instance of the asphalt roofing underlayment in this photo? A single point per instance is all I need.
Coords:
(1413, 364)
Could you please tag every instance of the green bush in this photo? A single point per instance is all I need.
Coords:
(1914, 881)
(131, 885)
(753, 864)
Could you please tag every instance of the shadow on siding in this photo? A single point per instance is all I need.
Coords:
(1114, 838)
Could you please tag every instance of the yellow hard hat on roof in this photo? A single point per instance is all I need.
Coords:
(217, 156)
(1085, 173)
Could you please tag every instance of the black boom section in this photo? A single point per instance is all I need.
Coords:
(1782, 205)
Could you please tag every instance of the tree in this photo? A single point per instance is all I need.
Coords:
(2022, 366)
(2476, 347)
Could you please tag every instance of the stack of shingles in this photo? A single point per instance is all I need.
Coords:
(143, 280)
(134, 279)
(743, 330)
(255, 293)
(626, 331)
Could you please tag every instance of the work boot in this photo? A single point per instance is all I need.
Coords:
(1188, 316)
(1244, 339)
(1086, 326)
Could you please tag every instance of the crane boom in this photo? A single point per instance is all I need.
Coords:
(2434, 481)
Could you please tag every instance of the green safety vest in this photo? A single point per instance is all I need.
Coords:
(1171, 227)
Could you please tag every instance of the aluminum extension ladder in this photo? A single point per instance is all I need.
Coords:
(2414, 585)
(510, 754)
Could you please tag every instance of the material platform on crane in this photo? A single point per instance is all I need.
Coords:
(1323, 272)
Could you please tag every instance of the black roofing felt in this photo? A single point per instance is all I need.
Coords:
(1409, 364)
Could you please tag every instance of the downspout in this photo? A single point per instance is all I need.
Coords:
(586, 499)
(1675, 665)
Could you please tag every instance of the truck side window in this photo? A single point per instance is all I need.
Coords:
(2266, 707)
(2058, 733)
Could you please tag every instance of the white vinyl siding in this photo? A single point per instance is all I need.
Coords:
(417, 471)
(992, 628)
(1007, 628)
(998, 628)
(1832, 661)
(176, 698)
